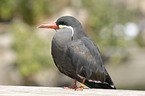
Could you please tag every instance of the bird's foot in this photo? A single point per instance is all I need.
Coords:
(74, 86)
(71, 87)
(79, 89)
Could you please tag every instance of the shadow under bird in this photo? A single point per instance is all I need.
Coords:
(77, 56)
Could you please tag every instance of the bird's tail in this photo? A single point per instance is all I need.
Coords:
(99, 85)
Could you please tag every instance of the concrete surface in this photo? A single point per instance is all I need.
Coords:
(58, 91)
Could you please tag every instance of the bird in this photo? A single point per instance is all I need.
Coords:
(77, 56)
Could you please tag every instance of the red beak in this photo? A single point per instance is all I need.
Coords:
(49, 26)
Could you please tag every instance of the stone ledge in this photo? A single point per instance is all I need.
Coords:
(58, 91)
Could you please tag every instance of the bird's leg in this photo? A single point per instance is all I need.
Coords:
(82, 86)
(74, 86)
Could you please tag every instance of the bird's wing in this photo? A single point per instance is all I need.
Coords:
(86, 59)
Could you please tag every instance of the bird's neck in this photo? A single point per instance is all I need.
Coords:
(61, 38)
(79, 33)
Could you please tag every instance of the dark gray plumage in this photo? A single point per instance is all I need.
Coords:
(77, 56)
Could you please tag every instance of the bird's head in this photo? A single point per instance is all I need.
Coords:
(64, 22)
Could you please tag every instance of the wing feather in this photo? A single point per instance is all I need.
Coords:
(86, 59)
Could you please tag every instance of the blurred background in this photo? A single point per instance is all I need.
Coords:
(116, 26)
